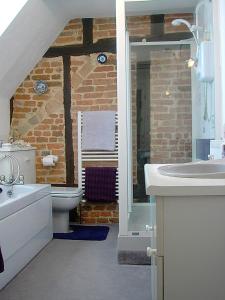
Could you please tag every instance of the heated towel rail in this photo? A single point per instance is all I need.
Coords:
(95, 156)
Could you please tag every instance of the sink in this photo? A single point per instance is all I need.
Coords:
(194, 170)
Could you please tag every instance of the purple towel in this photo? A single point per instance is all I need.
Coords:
(100, 184)
(1, 262)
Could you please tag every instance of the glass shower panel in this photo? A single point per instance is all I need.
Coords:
(161, 97)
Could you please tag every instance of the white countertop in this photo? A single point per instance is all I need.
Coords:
(161, 185)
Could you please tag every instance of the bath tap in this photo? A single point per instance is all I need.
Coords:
(11, 180)
(18, 179)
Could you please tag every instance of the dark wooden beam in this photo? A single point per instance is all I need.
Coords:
(69, 155)
(177, 36)
(109, 45)
(87, 32)
(103, 45)
(157, 25)
(11, 109)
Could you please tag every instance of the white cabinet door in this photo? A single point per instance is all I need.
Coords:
(157, 278)
(160, 278)
(153, 245)
(157, 261)
(153, 279)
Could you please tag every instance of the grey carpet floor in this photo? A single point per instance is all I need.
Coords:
(80, 270)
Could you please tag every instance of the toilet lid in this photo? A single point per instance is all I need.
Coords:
(67, 191)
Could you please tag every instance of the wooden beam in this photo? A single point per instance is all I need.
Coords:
(87, 31)
(69, 155)
(103, 45)
(11, 109)
(167, 37)
(157, 25)
(109, 45)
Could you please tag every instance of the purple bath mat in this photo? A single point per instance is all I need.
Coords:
(86, 233)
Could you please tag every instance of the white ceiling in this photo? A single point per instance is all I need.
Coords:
(86, 8)
(106, 8)
(160, 6)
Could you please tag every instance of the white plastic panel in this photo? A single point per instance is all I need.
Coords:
(18, 229)
(206, 63)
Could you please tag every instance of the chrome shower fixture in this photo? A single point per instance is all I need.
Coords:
(193, 29)
(178, 22)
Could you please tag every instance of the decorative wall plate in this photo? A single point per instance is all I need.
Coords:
(40, 87)
(102, 58)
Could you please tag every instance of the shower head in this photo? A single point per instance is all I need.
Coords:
(194, 30)
(178, 22)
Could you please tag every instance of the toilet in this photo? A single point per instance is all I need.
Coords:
(63, 200)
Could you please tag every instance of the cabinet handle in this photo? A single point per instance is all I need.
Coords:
(150, 252)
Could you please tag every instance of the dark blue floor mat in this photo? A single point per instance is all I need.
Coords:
(82, 232)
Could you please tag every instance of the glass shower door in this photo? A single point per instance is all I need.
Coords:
(161, 110)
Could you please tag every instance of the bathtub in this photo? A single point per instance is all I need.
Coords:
(25, 226)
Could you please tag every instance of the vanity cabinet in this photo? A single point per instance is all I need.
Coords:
(188, 245)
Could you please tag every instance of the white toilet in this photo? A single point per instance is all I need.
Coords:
(63, 200)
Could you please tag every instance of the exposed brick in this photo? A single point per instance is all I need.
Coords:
(94, 88)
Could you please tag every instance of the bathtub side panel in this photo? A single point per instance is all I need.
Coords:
(23, 235)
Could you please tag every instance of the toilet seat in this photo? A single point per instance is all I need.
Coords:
(66, 192)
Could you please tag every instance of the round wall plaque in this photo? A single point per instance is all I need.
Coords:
(40, 87)
(102, 58)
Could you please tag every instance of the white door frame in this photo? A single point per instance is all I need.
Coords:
(122, 116)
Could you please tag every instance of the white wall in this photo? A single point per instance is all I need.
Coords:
(22, 45)
(219, 50)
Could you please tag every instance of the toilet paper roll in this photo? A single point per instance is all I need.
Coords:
(55, 158)
(48, 161)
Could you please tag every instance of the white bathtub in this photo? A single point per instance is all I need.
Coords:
(25, 226)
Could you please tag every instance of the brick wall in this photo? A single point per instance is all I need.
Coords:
(169, 28)
(71, 35)
(40, 119)
(99, 213)
(104, 28)
(139, 26)
(170, 115)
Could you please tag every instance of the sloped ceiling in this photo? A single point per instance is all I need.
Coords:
(40, 21)
(25, 41)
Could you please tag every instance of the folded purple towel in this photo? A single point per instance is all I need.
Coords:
(100, 184)
(1, 262)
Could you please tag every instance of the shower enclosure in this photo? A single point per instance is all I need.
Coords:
(160, 116)
(166, 114)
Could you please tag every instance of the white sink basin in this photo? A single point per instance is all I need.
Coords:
(194, 170)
